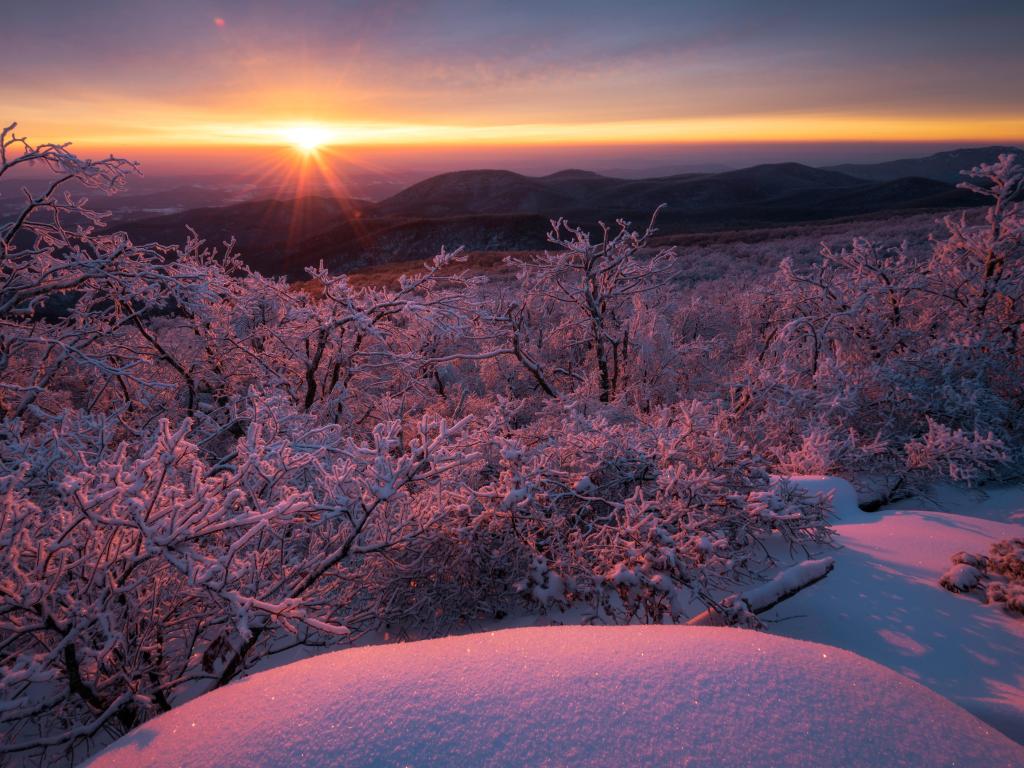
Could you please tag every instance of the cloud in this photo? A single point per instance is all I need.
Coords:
(501, 63)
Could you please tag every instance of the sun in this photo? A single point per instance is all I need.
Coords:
(307, 138)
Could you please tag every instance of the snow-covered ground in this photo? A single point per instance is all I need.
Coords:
(1002, 503)
(639, 695)
(883, 600)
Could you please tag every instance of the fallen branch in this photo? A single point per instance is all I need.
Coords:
(764, 597)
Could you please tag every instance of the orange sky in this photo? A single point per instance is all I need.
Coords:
(170, 127)
(151, 76)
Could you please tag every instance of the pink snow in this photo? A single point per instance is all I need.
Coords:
(883, 601)
(638, 695)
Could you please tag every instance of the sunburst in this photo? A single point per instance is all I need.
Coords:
(307, 138)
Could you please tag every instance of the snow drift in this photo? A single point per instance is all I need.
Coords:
(884, 602)
(638, 695)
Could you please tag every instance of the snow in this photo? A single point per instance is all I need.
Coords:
(638, 695)
(883, 601)
(1003, 503)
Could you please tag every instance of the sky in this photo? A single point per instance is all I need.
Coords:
(212, 82)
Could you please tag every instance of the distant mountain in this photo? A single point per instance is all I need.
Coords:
(723, 193)
(573, 173)
(502, 210)
(942, 166)
(670, 169)
(469, 192)
(755, 196)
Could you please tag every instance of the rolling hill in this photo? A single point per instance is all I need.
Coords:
(756, 196)
(942, 166)
(503, 210)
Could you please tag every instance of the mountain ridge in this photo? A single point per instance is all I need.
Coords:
(941, 166)
(495, 209)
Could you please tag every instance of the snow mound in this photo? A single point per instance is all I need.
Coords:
(960, 577)
(641, 695)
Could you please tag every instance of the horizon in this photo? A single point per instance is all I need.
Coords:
(405, 163)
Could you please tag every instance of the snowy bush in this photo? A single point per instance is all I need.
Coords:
(999, 575)
(647, 521)
(963, 458)
(879, 361)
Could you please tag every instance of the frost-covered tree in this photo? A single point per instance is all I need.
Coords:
(195, 462)
(876, 362)
(582, 304)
